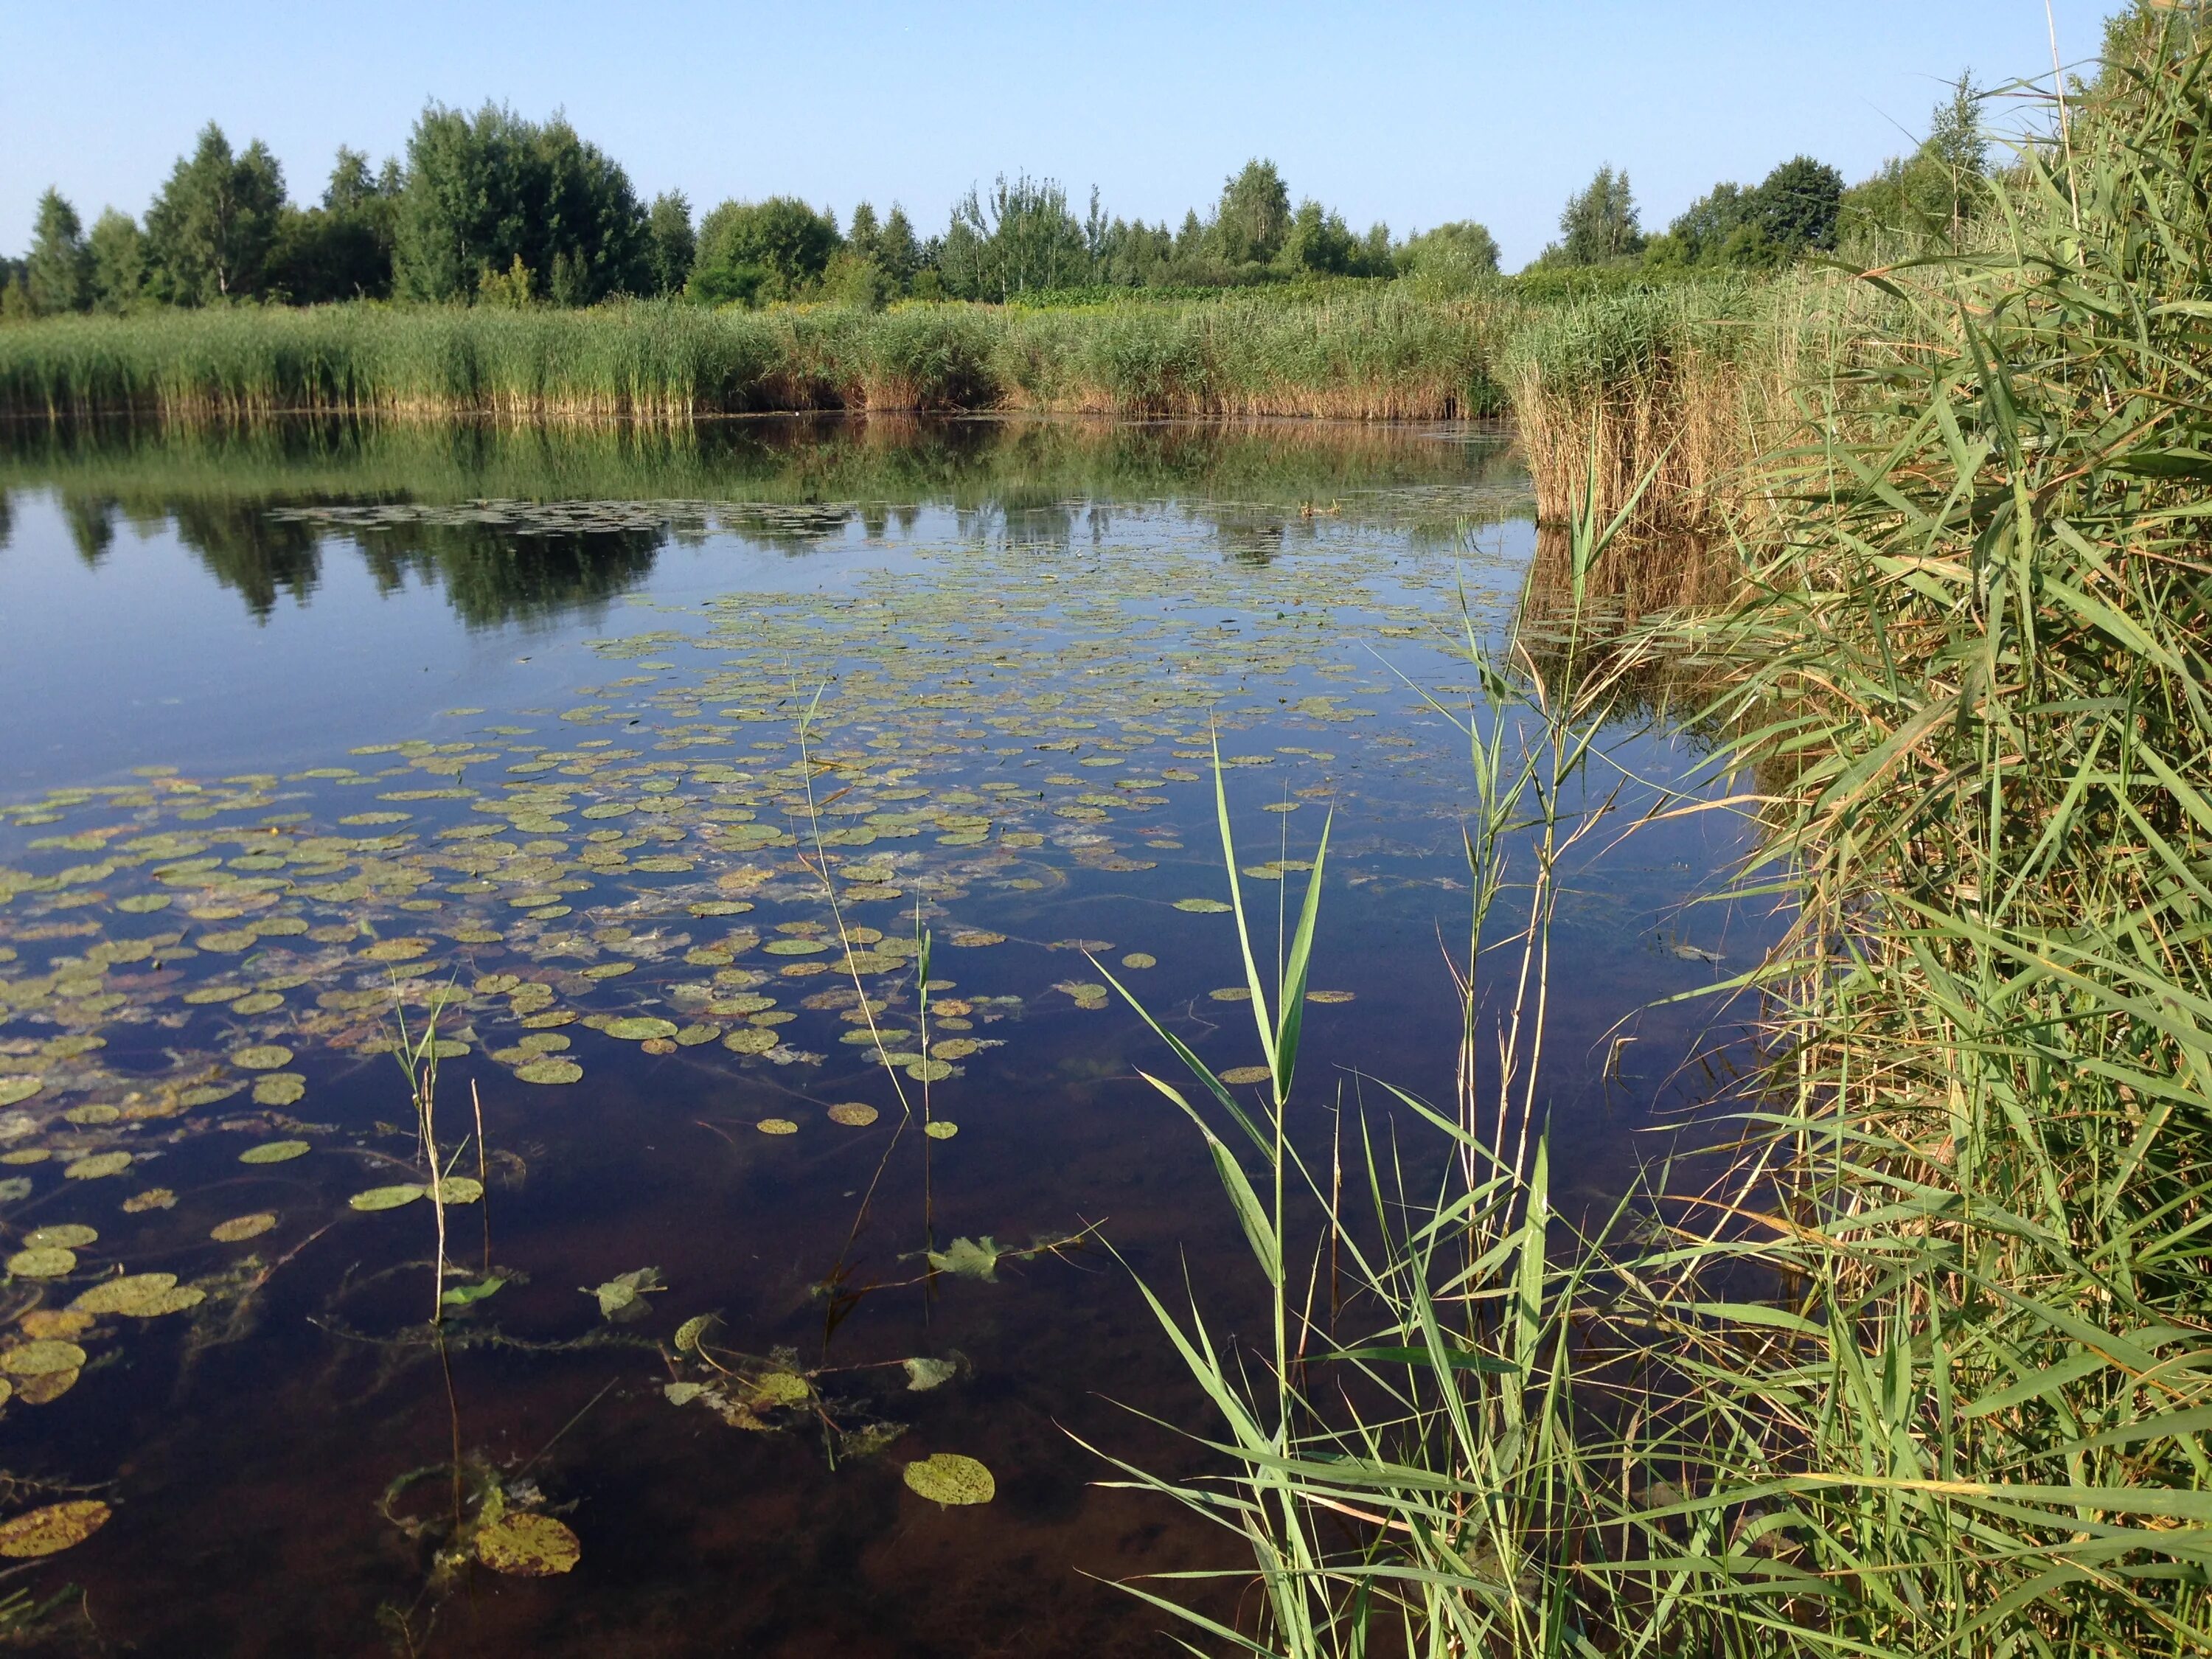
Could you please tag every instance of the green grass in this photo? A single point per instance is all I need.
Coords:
(1359, 354)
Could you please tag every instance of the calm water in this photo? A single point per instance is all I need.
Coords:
(307, 731)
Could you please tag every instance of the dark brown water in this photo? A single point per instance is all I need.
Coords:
(570, 740)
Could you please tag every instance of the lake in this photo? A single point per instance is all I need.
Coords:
(636, 776)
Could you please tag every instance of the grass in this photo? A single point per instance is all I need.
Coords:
(1916, 1359)
(1358, 354)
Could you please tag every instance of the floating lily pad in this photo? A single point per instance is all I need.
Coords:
(550, 1072)
(386, 1197)
(1330, 996)
(949, 1478)
(922, 1375)
(527, 1545)
(51, 1262)
(41, 1357)
(239, 1229)
(752, 1040)
(52, 1529)
(1246, 1074)
(1202, 907)
(794, 947)
(62, 1322)
(274, 1151)
(637, 1030)
(396, 950)
(852, 1113)
(941, 1130)
(459, 1190)
(1140, 959)
(1232, 994)
(928, 1070)
(114, 1296)
(45, 1390)
(154, 1198)
(776, 1126)
(279, 1089)
(98, 1164)
(14, 1091)
(67, 1235)
(690, 1332)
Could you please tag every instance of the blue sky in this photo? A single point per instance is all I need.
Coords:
(1408, 113)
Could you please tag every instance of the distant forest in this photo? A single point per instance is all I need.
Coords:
(492, 209)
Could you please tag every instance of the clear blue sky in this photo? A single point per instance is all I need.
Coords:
(1409, 112)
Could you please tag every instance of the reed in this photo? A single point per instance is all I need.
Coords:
(1917, 1358)
(1355, 355)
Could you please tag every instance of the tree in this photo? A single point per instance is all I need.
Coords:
(1451, 259)
(118, 252)
(1020, 240)
(896, 251)
(1599, 225)
(209, 232)
(1318, 244)
(342, 249)
(674, 243)
(1936, 191)
(1794, 210)
(757, 252)
(58, 271)
(484, 190)
(1796, 206)
(1253, 217)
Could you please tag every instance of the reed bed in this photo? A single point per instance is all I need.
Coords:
(1358, 355)
(1915, 1356)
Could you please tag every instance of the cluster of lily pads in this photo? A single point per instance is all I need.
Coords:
(741, 856)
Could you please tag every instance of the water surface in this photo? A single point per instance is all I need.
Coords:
(628, 756)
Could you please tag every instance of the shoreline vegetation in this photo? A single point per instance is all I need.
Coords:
(1905, 1348)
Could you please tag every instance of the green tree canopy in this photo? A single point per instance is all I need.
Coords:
(342, 249)
(116, 249)
(1599, 223)
(1021, 239)
(483, 191)
(757, 252)
(209, 232)
(1793, 210)
(1253, 218)
(58, 270)
(674, 243)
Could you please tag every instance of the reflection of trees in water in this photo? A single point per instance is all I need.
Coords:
(492, 577)
(1259, 487)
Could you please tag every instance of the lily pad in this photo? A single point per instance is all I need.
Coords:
(852, 1113)
(941, 1130)
(752, 1040)
(550, 1070)
(1246, 1074)
(52, 1529)
(51, 1262)
(154, 1198)
(689, 1333)
(279, 1089)
(239, 1229)
(67, 1235)
(527, 1545)
(1202, 907)
(98, 1164)
(45, 1390)
(274, 1151)
(776, 1126)
(459, 1190)
(63, 1322)
(41, 1357)
(384, 1198)
(14, 1090)
(949, 1478)
(1140, 959)
(794, 947)
(637, 1030)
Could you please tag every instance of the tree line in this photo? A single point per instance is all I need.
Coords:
(1801, 208)
(490, 208)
